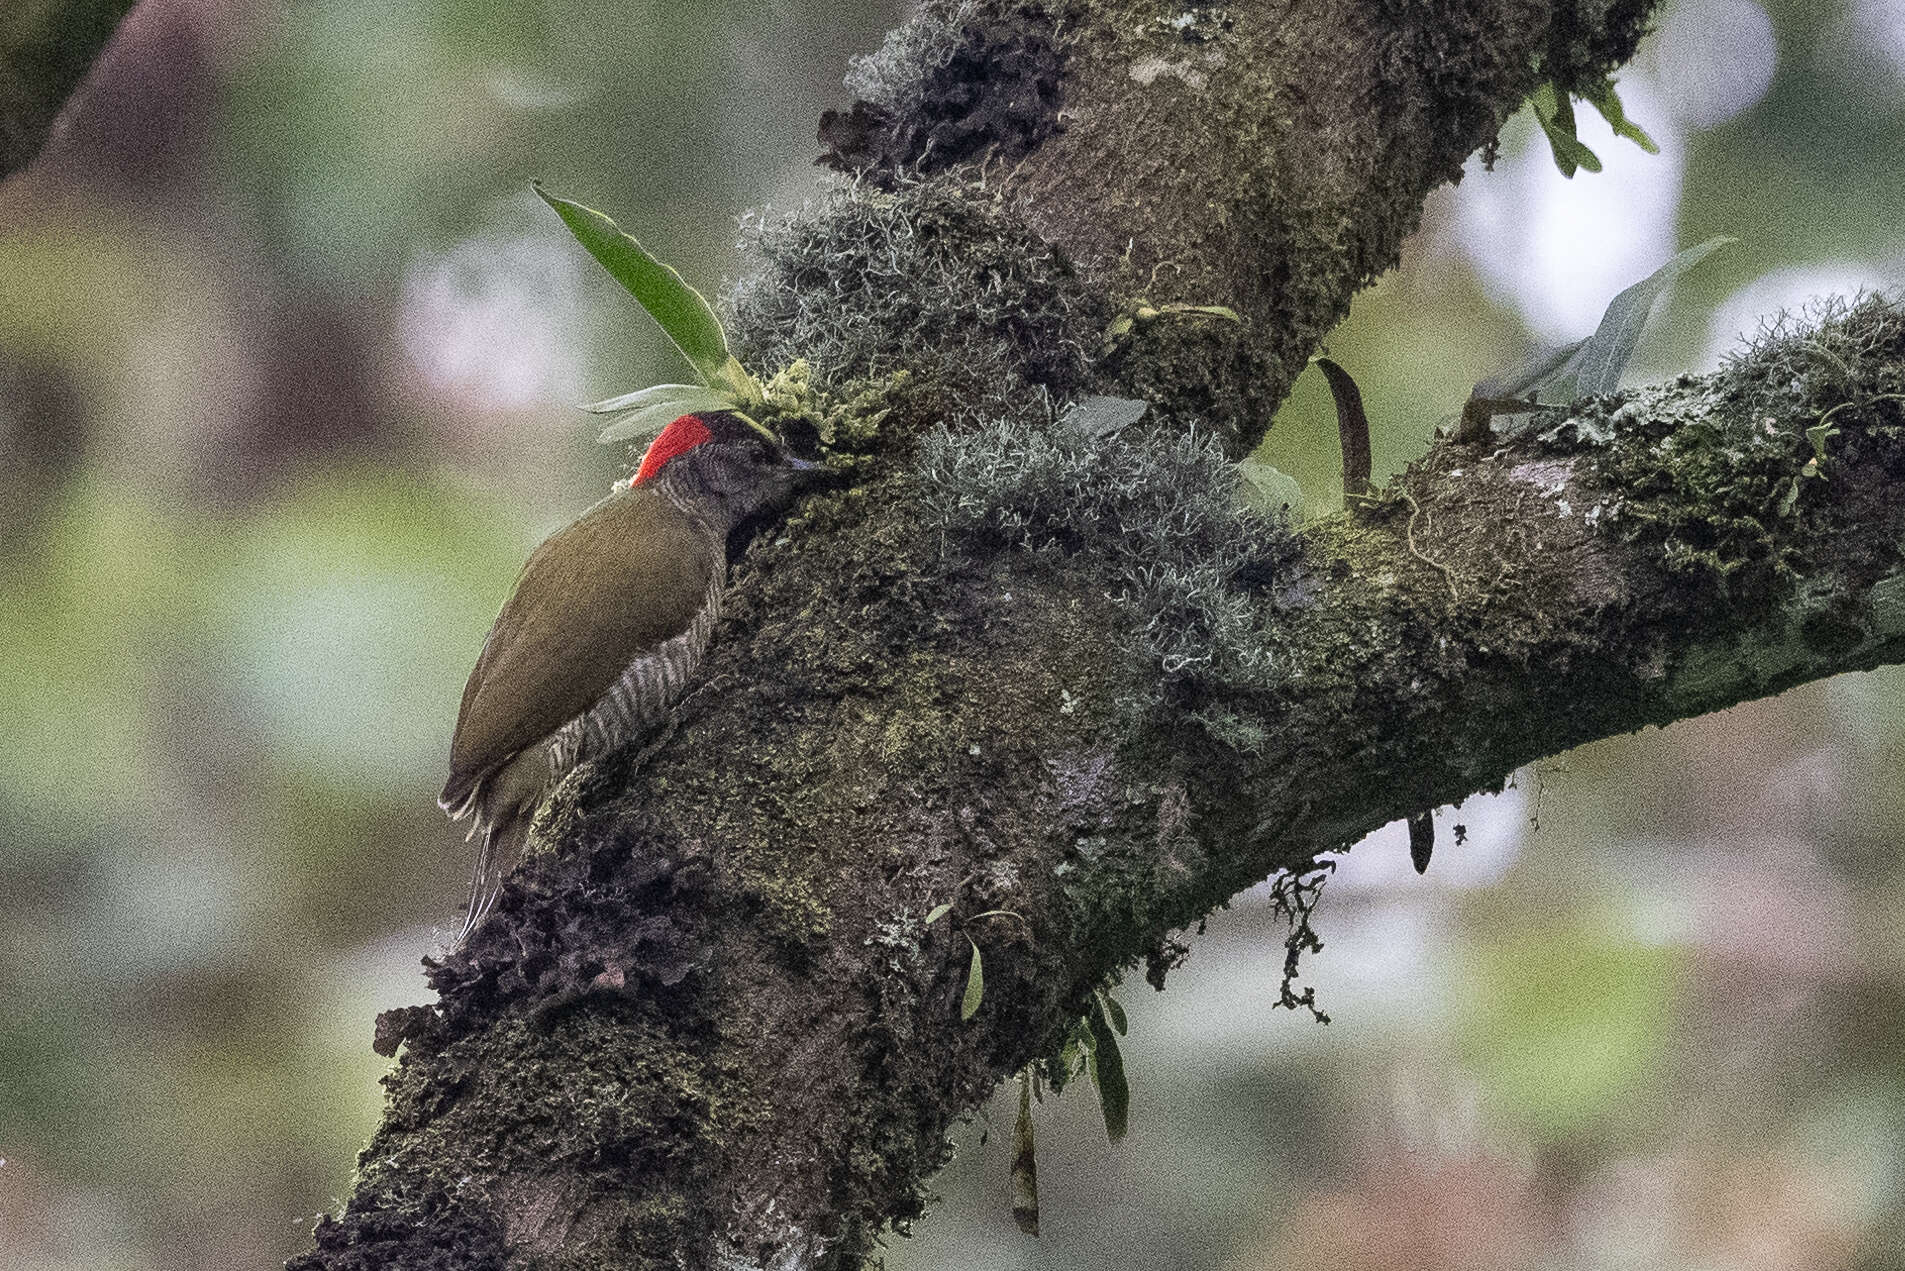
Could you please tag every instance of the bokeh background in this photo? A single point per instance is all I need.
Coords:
(288, 358)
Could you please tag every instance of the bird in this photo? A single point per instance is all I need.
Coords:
(605, 628)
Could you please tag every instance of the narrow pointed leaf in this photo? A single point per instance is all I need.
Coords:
(647, 422)
(975, 985)
(937, 912)
(1107, 1068)
(1533, 373)
(683, 313)
(1114, 1013)
(699, 396)
(1554, 110)
(1605, 99)
(1613, 342)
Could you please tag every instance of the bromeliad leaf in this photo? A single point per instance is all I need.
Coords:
(1613, 342)
(683, 313)
(1535, 373)
(647, 421)
(975, 985)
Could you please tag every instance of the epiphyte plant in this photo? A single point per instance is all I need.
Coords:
(1587, 367)
(683, 314)
(1554, 111)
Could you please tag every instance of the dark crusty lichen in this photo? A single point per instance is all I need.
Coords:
(948, 87)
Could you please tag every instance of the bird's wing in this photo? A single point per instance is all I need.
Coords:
(628, 574)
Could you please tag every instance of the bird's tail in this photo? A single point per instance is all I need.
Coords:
(502, 842)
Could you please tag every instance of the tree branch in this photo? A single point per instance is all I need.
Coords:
(1015, 666)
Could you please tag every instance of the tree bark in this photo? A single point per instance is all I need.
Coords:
(1056, 679)
(46, 49)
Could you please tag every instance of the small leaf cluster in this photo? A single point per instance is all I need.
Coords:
(1586, 368)
(1554, 110)
(1091, 1050)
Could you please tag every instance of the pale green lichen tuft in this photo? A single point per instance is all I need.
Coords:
(796, 406)
(935, 278)
(1717, 477)
(1161, 508)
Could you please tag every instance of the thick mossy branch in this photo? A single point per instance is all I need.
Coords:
(1273, 157)
(710, 1015)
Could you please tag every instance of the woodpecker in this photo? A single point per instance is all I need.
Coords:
(605, 628)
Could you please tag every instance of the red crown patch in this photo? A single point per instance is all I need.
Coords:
(678, 438)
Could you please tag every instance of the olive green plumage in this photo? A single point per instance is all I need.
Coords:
(605, 628)
(626, 576)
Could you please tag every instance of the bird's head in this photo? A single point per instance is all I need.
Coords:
(725, 459)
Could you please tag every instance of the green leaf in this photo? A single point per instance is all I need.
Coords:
(643, 424)
(696, 395)
(1533, 373)
(1268, 490)
(1605, 99)
(975, 985)
(1554, 111)
(647, 421)
(937, 912)
(1614, 341)
(1107, 1072)
(683, 313)
(1114, 1013)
